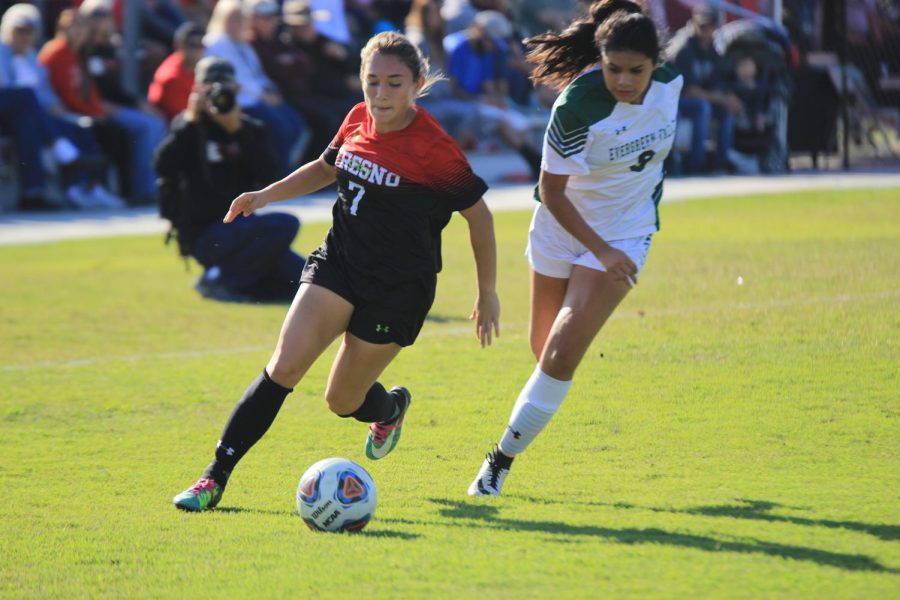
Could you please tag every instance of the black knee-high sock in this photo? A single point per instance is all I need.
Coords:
(249, 421)
(378, 406)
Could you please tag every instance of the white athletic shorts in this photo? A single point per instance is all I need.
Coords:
(553, 251)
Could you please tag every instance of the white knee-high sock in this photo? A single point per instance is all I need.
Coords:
(537, 403)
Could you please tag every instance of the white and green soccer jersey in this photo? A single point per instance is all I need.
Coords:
(613, 152)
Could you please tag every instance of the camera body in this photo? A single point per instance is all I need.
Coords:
(221, 98)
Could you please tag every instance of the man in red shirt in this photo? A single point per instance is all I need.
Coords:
(173, 80)
(61, 56)
(79, 92)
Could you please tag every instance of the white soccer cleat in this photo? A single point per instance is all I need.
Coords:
(489, 479)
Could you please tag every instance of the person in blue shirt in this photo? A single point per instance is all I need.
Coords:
(27, 89)
(478, 70)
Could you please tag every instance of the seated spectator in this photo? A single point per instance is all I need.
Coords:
(754, 96)
(79, 92)
(158, 20)
(291, 69)
(478, 68)
(212, 154)
(425, 28)
(20, 117)
(518, 77)
(755, 127)
(258, 96)
(143, 123)
(336, 74)
(19, 69)
(706, 95)
(174, 79)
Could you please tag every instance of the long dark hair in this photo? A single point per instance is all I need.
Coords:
(611, 25)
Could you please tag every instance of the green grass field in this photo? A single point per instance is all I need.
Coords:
(721, 440)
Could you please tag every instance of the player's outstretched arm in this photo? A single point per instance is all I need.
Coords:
(486, 313)
(311, 177)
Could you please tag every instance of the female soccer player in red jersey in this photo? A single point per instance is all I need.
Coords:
(373, 278)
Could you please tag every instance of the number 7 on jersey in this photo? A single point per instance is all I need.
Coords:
(360, 192)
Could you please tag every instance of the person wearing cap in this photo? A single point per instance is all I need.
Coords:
(174, 79)
(335, 79)
(706, 96)
(212, 153)
(292, 70)
(259, 96)
(478, 67)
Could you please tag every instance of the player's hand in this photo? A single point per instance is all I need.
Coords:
(245, 204)
(486, 315)
(618, 265)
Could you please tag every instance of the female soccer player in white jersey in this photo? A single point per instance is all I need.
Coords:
(372, 281)
(601, 181)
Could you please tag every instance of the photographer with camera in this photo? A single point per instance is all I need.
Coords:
(213, 153)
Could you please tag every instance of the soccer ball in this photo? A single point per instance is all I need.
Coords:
(336, 494)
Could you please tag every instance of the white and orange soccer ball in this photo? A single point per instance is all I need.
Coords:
(336, 494)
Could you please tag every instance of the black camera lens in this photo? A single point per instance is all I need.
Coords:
(221, 98)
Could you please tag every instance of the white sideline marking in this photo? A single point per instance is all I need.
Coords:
(631, 313)
(89, 362)
(692, 310)
(23, 228)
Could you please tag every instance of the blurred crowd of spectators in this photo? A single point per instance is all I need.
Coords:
(296, 62)
(70, 119)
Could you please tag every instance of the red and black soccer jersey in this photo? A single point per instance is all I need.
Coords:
(397, 191)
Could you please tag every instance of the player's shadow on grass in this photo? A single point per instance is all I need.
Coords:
(253, 511)
(760, 510)
(382, 533)
(389, 533)
(436, 318)
(482, 515)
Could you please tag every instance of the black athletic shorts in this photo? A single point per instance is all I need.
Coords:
(386, 308)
